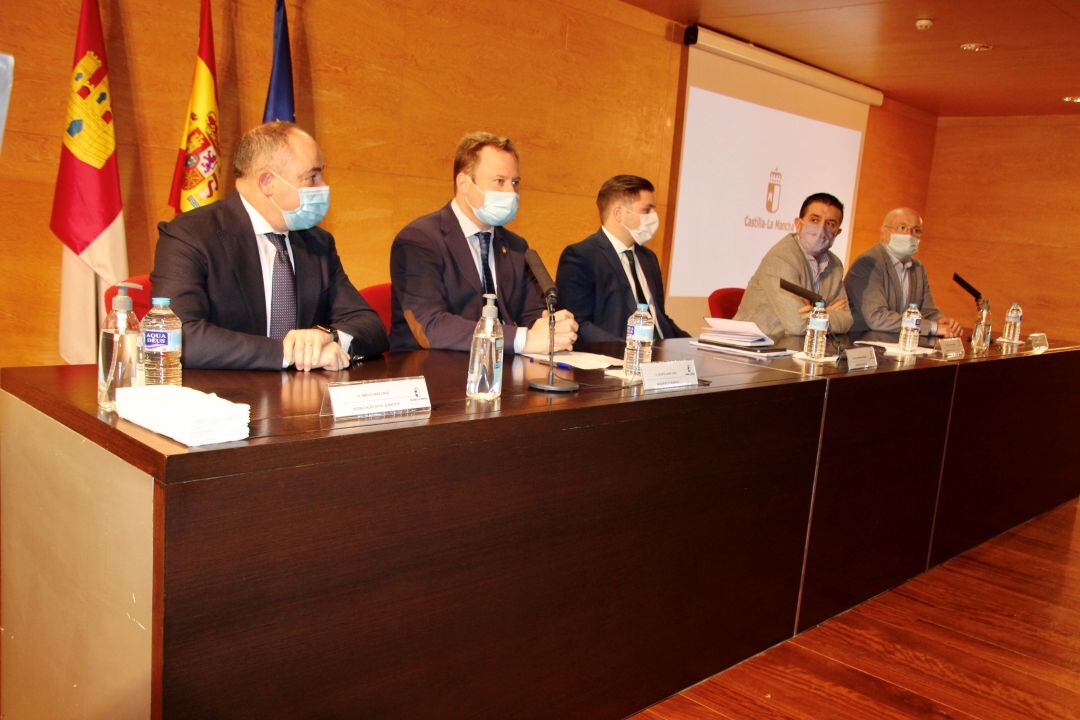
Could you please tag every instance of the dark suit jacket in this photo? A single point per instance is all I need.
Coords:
(207, 262)
(593, 286)
(434, 277)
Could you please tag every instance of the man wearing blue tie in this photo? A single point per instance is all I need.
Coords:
(442, 264)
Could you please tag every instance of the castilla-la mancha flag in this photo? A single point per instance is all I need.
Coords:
(87, 214)
(195, 179)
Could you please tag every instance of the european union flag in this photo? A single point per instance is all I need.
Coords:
(279, 96)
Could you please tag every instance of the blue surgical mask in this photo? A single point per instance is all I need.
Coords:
(498, 209)
(314, 204)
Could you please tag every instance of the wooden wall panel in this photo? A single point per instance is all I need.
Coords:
(895, 171)
(1003, 210)
(587, 89)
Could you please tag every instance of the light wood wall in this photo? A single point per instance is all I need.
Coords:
(586, 88)
(1003, 210)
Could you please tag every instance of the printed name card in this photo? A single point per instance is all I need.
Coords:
(668, 375)
(369, 398)
(1039, 343)
(861, 357)
(951, 348)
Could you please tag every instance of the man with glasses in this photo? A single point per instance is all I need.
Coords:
(885, 279)
(802, 258)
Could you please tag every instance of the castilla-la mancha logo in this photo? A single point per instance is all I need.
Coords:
(772, 195)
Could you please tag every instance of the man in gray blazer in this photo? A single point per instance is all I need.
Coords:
(886, 278)
(802, 258)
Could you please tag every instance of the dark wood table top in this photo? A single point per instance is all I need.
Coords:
(291, 406)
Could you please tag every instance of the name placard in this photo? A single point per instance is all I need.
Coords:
(1039, 343)
(370, 398)
(668, 375)
(861, 357)
(951, 348)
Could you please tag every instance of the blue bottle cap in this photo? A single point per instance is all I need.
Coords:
(160, 301)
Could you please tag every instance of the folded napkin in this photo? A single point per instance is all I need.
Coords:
(184, 414)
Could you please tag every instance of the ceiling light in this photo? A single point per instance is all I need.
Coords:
(924, 23)
(977, 47)
(1071, 98)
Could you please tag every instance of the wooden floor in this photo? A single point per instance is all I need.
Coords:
(992, 634)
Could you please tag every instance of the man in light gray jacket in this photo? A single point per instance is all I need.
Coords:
(802, 258)
(886, 278)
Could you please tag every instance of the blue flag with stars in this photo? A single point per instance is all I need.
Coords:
(279, 96)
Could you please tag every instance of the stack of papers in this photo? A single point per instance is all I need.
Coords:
(184, 414)
(733, 332)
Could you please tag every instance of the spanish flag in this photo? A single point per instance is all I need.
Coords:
(87, 214)
(195, 180)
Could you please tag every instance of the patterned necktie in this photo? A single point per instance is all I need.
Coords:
(283, 293)
(633, 274)
(485, 250)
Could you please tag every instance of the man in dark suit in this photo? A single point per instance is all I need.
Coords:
(256, 284)
(442, 264)
(604, 277)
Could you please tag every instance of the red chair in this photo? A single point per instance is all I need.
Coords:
(140, 299)
(724, 303)
(378, 297)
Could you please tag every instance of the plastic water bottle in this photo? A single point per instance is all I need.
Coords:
(118, 349)
(817, 332)
(161, 338)
(910, 324)
(980, 335)
(486, 356)
(639, 340)
(1010, 332)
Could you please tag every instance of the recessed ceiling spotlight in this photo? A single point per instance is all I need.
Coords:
(977, 47)
(1071, 98)
(924, 23)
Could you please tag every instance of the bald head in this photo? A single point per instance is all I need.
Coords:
(902, 221)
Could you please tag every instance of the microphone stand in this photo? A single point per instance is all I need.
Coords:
(553, 384)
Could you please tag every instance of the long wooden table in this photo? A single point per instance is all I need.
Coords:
(578, 555)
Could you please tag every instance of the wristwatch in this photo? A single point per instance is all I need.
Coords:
(332, 331)
(354, 360)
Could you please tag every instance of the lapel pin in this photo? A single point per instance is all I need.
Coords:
(503, 249)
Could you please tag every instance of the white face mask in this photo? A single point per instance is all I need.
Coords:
(647, 226)
(903, 245)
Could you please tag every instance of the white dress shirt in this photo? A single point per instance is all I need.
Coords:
(620, 251)
(471, 232)
(267, 254)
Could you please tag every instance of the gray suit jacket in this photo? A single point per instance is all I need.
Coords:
(876, 297)
(776, 311)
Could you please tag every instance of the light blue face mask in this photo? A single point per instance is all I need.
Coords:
(498, 209)
(314, 204)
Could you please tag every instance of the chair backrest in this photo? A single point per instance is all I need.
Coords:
(140, 299)
(724, 303)
(378, 297)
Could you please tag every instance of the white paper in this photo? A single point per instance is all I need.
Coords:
(184, 414)
(806, 358)
(734, 332)
(579, 360)
(367, 398)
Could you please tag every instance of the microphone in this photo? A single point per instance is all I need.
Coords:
(967, 286)
(802, 292)
(547, 286)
